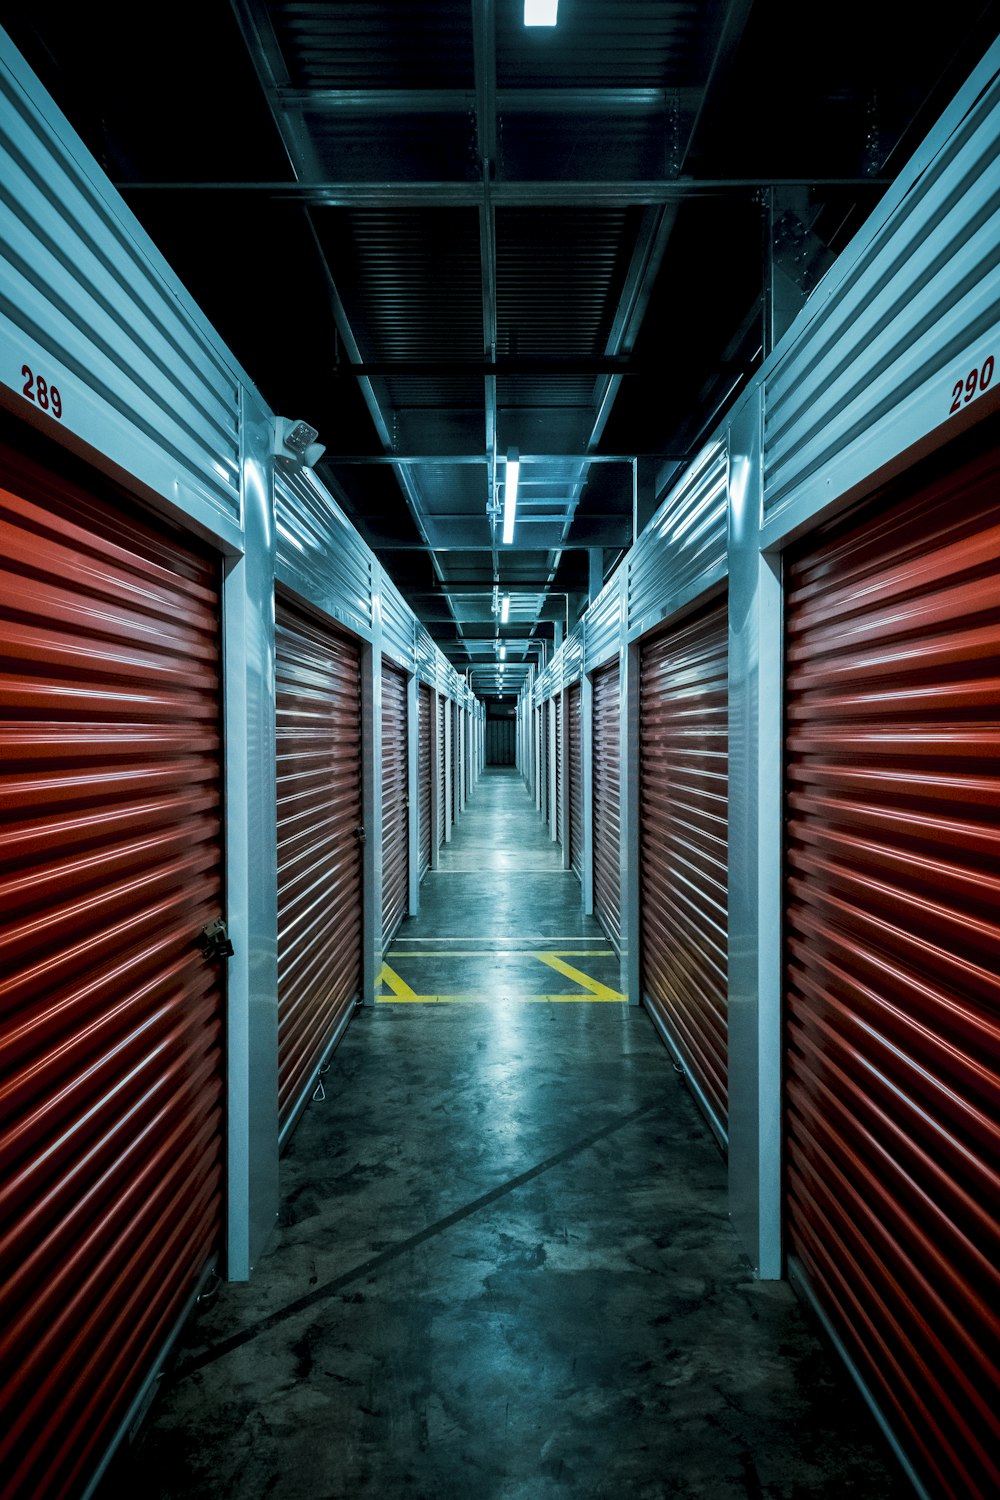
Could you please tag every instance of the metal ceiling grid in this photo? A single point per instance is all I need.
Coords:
(516, 235)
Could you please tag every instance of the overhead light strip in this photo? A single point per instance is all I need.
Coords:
(511, 476)
(540, 12)
(505, 610)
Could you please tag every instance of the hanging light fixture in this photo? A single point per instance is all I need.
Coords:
(505, 610)
(511, 475)
(540, 12)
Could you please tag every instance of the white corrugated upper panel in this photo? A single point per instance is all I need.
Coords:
(398, 626)
(319, 554)
(602, 633)
(683, 549)
(910, 310)
(426, 656)
(572, 656)
(87, 306)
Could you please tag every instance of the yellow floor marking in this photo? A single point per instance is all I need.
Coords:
(507, 953)
(412, 999)
(391, 978)
(601, 991)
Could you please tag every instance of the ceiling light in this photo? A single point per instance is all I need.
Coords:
(503, 653)
(510, 495)
(540, 12)
(505, 610)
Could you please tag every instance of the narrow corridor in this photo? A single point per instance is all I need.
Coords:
(504, 1266)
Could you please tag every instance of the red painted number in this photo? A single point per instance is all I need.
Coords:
(37, 389)
(973, 385)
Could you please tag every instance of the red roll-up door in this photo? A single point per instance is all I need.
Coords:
(607, 800)
(318, 750)
(575, 705)
(456, 762)
(683, 737)
(111, 1043)
(558, 809)
(893, 957)
(395, 802)
(425, 777)
(442, 769)
(543, 760)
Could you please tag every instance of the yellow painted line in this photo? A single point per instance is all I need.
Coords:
(412, 999)
(507, 953)
(601, 991)
(391, 978)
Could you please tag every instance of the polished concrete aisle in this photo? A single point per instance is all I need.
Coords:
(504, 1266)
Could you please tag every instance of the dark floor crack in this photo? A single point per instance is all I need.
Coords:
(186, 1367)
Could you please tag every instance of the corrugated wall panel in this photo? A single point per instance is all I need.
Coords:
(319, 553)
(572, 663)
(602, 625)
(607, 800)
(575, 706)
(683, 756)
(83, 291)
(425, 776)
(684, 545)
(318, 747)
(893, 956)
(398, 626)
(395, 802)
(112, 1038)
(897, 326)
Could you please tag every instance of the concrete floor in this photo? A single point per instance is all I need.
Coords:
(504, 1266)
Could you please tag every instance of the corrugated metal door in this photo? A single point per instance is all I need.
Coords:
(425, 777)
(575, 706)
(456, 763)
(112, 1100)
(683, 737)
(543, 760)
(607, 800)
(442, 769)
(893, 958)
(318, 748)
(558, 809)
(395, 802)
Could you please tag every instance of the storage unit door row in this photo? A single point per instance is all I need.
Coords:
(395, 801)
(318, 743)
(558, 809)
(111, 1106)
(683, 847)
(606, 799)
(575, 708)
(442, 769)
(893, 958)
(425, 776)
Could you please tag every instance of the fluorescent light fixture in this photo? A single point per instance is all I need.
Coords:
(505, 610)
(540, 12)
(503, 653)
(511, 475)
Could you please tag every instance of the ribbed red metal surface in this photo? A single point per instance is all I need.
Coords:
(111, 1043)
(683, 805)
(319, 851)
(607, 800)
(442, 769)
(558, 809)
(456, 762)
(893, 958)
(425, 776)
(395, 802)
(543, 759)
(575, 709)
